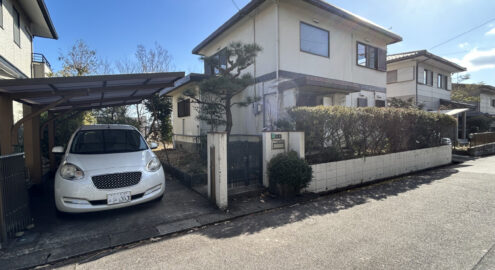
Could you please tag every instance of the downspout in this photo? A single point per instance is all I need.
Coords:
(417, 78)
(277, 33)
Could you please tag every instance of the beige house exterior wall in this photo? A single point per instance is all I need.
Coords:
(341, 64)
(18, 55)
(282, 19)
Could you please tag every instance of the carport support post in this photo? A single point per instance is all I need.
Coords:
(51, 141)
(217, 168)
(32, 146)
(6, 123)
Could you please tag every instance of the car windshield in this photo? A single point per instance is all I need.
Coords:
(107, 141)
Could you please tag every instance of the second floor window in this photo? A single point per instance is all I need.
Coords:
(442, 81)
(184, 108)
(219, 60)
(17, 27)
(315, 40)
(1, 13)
(428, 77)
(371, 57)
(493, 102)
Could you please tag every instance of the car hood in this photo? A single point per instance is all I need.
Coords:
(110, 161)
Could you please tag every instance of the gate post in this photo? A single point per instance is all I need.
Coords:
(275, 143)
(217, 168)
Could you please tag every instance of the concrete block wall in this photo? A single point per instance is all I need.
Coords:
(340, 174)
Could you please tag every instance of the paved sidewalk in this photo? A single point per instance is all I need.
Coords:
(438, 219)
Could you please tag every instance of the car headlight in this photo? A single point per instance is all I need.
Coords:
(71, 172)
(153, 165)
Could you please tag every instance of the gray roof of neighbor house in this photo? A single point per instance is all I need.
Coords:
(193, 77)
(41, 23)
(317, 3)
(422, 53)
(87, 92)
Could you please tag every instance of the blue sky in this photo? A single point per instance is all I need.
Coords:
(115, 27)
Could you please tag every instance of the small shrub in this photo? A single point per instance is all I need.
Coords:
(289, 172)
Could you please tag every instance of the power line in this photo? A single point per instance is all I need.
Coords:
(462, 34)
(235, 4)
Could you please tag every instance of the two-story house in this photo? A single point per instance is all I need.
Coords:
(422, 76)
(20, 22)
(313, 53)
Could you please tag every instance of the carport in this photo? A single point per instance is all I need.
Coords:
(62, 97)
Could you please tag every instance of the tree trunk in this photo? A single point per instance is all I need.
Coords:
(228, 114)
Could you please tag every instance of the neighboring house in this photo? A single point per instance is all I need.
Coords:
(487, 100)
(313, 54)
(20, 22)
(422, 76)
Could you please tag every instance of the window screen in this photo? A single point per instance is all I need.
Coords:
(371, 57)
(314, 40)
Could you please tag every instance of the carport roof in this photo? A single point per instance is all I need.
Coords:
(87, 92)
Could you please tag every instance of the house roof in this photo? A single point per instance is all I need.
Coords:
(317, 3)
(41, 23)
(425, 54)
(454, 111)
(87, 92)
(193, 77)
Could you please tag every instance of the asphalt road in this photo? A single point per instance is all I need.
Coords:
(440, 219)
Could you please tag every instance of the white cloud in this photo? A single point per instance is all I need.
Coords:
(463, 45)
(491, 32)
(476, 60)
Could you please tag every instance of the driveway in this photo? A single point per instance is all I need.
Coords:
(56, 238)
(439, 219)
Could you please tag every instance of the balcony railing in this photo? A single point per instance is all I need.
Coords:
(40, 58)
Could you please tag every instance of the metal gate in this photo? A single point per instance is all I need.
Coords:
(244, 160)
(15, 214)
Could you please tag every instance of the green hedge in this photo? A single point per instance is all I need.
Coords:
(337, 132)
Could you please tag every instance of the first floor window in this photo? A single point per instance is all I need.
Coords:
(379, 103)
(184, 108)
(362, 102)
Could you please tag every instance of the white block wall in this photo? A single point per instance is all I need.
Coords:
(340, 174)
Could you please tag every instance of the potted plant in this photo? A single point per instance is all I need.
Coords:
(288, 174)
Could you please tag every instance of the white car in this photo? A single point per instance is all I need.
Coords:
(107, 167)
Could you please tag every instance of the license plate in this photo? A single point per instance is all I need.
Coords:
(121, 197)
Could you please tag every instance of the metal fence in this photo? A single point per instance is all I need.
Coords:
(244, 160)
(15, 214)
(481, 138)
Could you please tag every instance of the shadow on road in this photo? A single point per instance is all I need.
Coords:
(331, 203)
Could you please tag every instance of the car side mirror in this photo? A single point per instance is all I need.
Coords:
(58, 150)
(153, 145)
